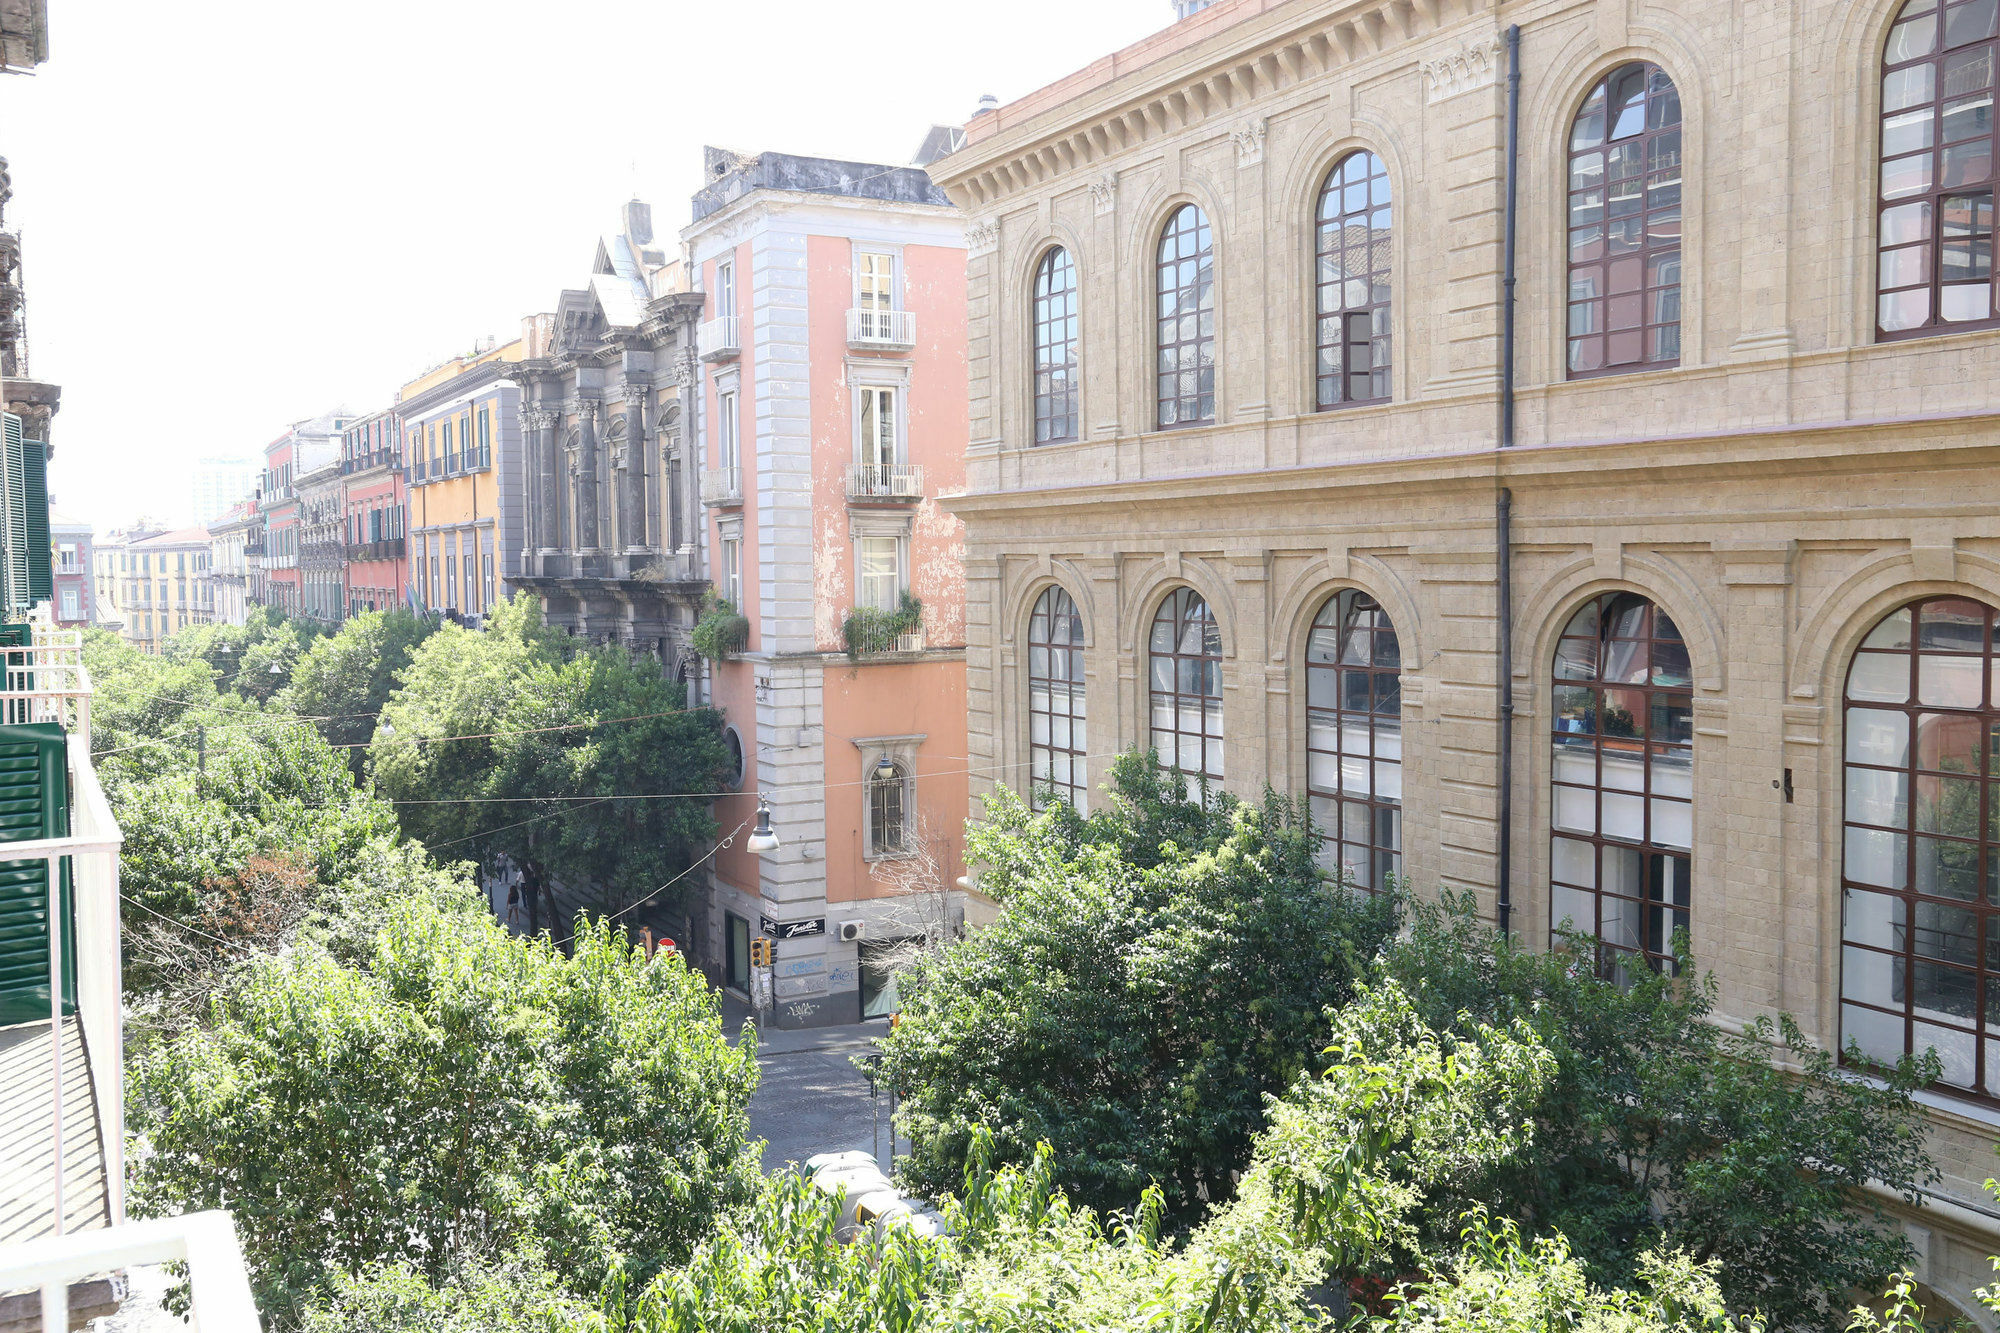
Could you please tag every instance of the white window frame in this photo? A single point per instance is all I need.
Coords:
(725, 288)
(867, 451)
(892, 297)
(728, 430)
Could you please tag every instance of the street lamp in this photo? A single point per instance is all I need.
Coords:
(886, 770)
(762, 840)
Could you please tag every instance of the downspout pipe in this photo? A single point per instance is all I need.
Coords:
(1503, 516)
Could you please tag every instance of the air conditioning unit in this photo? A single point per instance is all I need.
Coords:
(904, 485)
(850, 931)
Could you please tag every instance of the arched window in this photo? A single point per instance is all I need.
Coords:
(1056, 743)
(888, 803)
(1920, 907)
(1622, 822)
(1186, 664)
(1625, 224)
(1354, 739)
(1353, 282)
(1055, 348)
(1935, 266)
(1186, 320)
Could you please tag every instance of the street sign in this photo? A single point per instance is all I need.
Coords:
(792, 930)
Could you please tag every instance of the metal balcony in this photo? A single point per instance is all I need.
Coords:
(718, 339)
(900, 482)
(722, 486)
(881, 330)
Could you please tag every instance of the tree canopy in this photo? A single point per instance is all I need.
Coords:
(582, 765)
(459, 1092)
(1160, 969)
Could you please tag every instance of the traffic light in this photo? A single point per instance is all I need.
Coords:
(760, 952)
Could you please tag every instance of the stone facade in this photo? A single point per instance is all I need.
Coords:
(1791, 481)
(611, 543)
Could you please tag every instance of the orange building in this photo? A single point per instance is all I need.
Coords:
(833, 410)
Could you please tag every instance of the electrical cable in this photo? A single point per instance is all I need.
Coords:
(727, 840)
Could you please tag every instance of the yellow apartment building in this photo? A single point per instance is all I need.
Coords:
(462, 432)
(163, 586)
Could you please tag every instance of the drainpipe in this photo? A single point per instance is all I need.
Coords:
(1503, 518)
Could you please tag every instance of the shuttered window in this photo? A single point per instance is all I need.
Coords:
(34, 803)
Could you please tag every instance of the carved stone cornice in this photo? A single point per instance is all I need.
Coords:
(1462, 68)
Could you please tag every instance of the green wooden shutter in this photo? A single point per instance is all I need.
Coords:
(14, 587)
(34, 803)
(35, 473)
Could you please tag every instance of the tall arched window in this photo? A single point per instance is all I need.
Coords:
(1055, 348)
(1622, 822)
(1920, 907)
(1186, 313)
(1056, 742)
(1353, 283)
(888, 808)
(1625, 224)
(1186, 665)
(1354, 738)
(1935, 265)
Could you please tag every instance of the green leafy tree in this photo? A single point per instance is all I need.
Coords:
(1345, 1162)
(1160, 969)
(343, 679)
(1661, 1130)
(461, 1095)
(556, 748)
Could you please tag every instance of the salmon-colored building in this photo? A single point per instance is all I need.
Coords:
(833, 414)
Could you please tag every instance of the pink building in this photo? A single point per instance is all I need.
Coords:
(833, 413)
(378, 567)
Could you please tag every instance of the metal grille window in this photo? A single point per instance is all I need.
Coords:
(1055, 348)
(1056, 741)
(1354, 739)
(1625, 224)
(1935, 265)
(1186, 688)
(1622, 813)
(1920, 900)
(1353, 283)
(1186, 290)
(888, 800)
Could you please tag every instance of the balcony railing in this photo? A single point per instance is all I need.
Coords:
(718, 339)
(881, 330)
(722, 486)
(218, 1283)
(885, 481)
(47, 682)
(389, 548)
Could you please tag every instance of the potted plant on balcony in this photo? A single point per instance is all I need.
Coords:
(869, 629)
(722, 629)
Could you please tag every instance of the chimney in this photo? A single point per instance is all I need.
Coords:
(987, 102)
(639, 222)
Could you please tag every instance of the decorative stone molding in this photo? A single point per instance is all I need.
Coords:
(1104, 192)
(1250, 142)
(633, 392)
(1469, 65)
(686, 366)
(982, 236)
(537, 418)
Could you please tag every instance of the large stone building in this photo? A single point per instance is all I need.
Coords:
(832, 398)
(611, 545)
(232, 560)
(322, 533)
(1636, 640)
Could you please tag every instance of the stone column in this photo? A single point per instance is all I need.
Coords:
(583, 475)
(632, 481)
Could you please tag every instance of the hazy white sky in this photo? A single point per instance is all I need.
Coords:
(239, 213)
